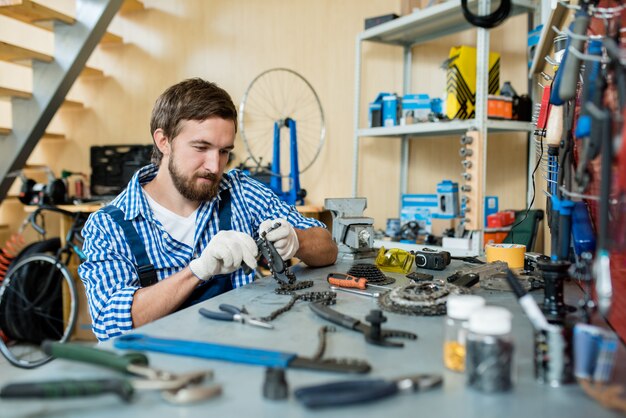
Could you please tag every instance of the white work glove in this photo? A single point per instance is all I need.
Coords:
(284, 237)
(224, 254)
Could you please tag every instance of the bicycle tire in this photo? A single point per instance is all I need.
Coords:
(66, 276)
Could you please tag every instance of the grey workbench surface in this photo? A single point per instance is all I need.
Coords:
(296, 331)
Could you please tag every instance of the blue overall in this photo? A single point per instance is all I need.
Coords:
(147, 275)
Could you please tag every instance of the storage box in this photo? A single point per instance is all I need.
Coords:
(112, 166)
(391, 110)
(375, 114)
(447, 200)
(420, 208)
(461, 81)
(415, 108)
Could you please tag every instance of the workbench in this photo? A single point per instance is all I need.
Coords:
(297, 331)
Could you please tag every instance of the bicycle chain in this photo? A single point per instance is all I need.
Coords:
(424, 298)
(326, 298)
(321, 348)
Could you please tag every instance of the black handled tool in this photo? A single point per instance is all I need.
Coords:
(362, 391)
(373, 334)
(68, 388)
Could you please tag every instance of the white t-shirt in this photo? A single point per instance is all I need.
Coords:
(180, 228)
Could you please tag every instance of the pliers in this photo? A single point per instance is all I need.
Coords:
(233, 313)
(361, 391)
(373, 334)
(175, 388)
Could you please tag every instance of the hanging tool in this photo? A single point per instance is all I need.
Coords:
(177, 388)
(602, 262)
(233, 313)
(355, 292)
(570, 66)
(234, 354)
(586, 130)
(362, 391)
(373, 334)
(347, 280)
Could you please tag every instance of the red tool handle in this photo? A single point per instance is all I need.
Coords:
(345, 280)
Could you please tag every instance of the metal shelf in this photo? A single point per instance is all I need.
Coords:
(430, 23)
(445, 128)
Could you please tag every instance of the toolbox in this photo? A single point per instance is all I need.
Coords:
(112, 166)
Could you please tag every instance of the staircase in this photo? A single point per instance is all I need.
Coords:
(44, 48)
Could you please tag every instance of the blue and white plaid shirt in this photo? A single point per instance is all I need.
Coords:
(109, 273)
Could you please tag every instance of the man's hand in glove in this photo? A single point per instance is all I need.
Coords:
(284, 237)
(224, 254)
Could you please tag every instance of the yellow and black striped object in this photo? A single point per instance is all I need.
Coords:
(461, 81)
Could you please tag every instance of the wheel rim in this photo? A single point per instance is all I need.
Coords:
(28, 355)
(274, 95)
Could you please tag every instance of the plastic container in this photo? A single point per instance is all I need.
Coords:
(459, 308)
(489, 350)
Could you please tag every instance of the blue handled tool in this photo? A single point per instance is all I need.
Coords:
(234, 354)
(233, 313)
(362, 391)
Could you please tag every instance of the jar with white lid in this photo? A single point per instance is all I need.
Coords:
(459, 308)
(489, 350)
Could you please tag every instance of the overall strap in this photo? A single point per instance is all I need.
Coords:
(145, 269)
(221, 283)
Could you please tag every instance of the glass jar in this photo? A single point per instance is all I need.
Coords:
(489, 350)
(459, 308)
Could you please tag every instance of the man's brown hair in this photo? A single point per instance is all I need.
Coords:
(192, 99)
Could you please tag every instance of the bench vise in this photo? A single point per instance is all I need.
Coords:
(353, 232)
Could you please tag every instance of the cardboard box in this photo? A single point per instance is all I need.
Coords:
(461, 81)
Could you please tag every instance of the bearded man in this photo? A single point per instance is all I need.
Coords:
(182, 230)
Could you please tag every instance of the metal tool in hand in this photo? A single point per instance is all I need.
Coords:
(233, 313)
(361, 391)
(175, 387)
(373, 334)
(277, 266)
(246, 355)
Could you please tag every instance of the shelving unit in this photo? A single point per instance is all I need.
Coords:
(417, 28)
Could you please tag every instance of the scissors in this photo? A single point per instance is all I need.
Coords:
(233, 313)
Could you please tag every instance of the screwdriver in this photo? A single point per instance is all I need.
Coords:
(346, 280)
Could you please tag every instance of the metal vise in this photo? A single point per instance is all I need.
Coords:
(353, 232)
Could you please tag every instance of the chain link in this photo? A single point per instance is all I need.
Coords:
(326, 298)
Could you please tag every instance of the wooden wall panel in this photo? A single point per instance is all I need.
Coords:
(230, 42)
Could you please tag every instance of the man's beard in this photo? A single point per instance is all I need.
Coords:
(189, 188)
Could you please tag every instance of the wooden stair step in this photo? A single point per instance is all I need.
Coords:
(92, 72)
(37, 14)
(30, 11)
(8, 91)
(10, 52)
(131, 6)
(110, 38)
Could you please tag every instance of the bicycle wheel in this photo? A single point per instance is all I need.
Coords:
(273, 96)
(37, 302)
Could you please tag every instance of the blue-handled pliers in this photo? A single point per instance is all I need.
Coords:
(233, 313)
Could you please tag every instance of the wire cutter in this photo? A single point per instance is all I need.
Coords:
(233, 313)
